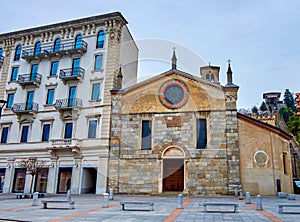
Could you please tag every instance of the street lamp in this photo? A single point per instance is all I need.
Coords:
(3, 102)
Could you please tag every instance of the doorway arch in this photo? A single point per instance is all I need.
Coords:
(173, 169)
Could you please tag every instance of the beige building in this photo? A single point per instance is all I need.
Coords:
(181, 132)
(57, 81)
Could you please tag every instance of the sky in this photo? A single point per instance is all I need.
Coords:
(260, 37)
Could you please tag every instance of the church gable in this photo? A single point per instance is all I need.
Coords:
(172, 92)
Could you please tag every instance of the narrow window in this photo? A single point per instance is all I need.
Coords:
(29, 101)
(56, 47)
(50, 96)
(75, 66)
(207, 77)
(92, 129)
(72, 96)
(78, 42)
(33, 73)
(98, 62)
(146, 134)
(4, 134)
(284, 163)
(37, 48)
(54, 67)
(96, 91)
(24, 134)
(10, 100)
(68, 130)
(212, 77)
(46, 132)
(18, 53)
(201, 134)
(14, 74)
(100, 39)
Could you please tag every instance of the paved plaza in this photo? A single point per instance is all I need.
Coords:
(90, 208)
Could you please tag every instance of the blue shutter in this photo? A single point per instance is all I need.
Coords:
(4, 135)
(201, 134)
(146, 134)
(50, 96)
(46, 132)
(10, 100)
(92, 129)
(24, 135)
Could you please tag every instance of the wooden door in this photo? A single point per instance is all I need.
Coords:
(173, 175)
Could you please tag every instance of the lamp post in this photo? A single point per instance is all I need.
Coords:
(3, 102)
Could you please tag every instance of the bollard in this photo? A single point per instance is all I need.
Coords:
(180, 201)
(241, 194)
(35, 199)
(236, 193)
(68, 195)
(259, 203)
(105, 199)
(248, 198)
(111, 193)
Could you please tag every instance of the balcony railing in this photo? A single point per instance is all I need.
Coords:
(51, 50)
(76, 73)
(64, 142)
(25, 107)
(30, 79)
(63, 104)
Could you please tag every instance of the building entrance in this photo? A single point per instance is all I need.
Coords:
(64, 179)
(89, 180)
(19, 180)
(173, 174)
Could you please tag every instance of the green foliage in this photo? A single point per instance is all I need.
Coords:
(263, 106)
(289, 100)
(254, 109)
(294, 124)
(285, 114)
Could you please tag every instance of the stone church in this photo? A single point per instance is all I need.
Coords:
(182, 132)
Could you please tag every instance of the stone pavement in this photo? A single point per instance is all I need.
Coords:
(89, 208)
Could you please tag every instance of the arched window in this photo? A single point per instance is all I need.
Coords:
(37, 48)
(207, 77)
(56, 45)
(100, 39)
(18, 53)
(78, 41)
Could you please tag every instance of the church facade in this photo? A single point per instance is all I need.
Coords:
(180, 132)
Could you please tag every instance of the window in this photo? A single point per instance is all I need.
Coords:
(50, 96)
(1, 51)
(46, 132)
(10, 100)
(33, 73)
(54, 67)
(14, 74)
(4, 134)
(100, 39)
(284, 163)
(18, 53)
(29, 101)
(75, 66)
(24, 134)
(146, 134)
(37, 48)
(56, 47)
(78, 42)
(72, 96)
(92, 129)
(201, 134)
(96, 91)
(98, 62)
(68, 130)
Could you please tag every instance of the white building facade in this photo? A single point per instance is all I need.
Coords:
(56, 80)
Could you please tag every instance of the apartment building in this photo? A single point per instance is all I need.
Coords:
(56, 80)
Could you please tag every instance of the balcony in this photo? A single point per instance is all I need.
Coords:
(1, 60)
(25, 108)
(66, 104)
(72, 74)
(70, 144)
(49, 51)
(33, 79)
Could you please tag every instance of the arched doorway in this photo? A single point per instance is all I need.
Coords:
(173, 169)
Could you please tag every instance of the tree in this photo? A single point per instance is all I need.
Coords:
(289, 100)
(263, 107)
(254, 109)
(285, 114)
(33, 167)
